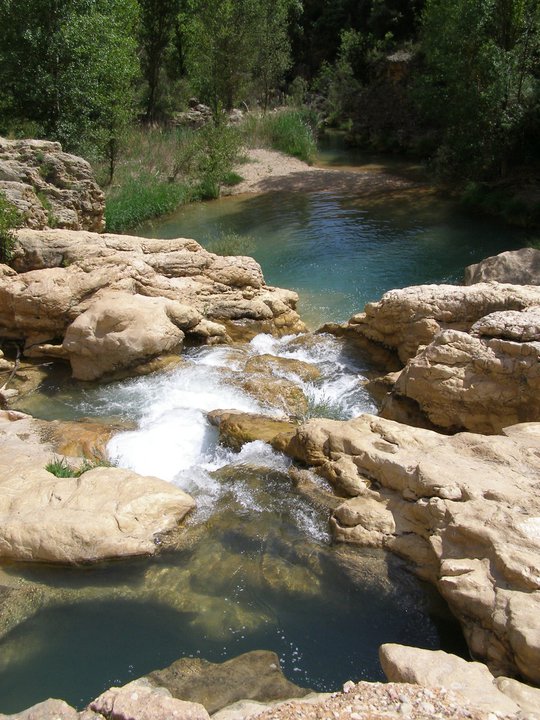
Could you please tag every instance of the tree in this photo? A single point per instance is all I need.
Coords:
(221, 49)
(158, 25)
(480, 80)
(273, 57)
(68, 67)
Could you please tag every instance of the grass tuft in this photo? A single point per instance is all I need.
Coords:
(289, 131)
(143, 198)
(60, 468)
(230, 243)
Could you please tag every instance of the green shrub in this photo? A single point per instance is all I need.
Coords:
(10, 218)
(216, 150)
(289, 131)
(232, 178)
(143, 198)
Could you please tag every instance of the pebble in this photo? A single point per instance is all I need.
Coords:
(405, 708)
(427, 707)
(348, 686)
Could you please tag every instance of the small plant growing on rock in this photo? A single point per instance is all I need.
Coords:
(62, 469)
(10, 218)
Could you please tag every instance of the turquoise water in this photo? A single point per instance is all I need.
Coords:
(338, 251)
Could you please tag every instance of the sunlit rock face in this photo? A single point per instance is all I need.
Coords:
(464, 509)
(471, 354)
(50, 188)
(111, 302)
(519, 267)
(107, 512)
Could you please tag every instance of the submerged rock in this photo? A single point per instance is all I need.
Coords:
(238, 428)
(105, 512)
(111, 302)
(50, 188)
(464, 509)
(255, 675)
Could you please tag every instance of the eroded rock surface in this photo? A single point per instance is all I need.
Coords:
(483, 380)
(465, 509)
(106, 512)
(141, 700)
(408, 319)
(110, 302)
(471, 354)
(436, 668)
(50, 188)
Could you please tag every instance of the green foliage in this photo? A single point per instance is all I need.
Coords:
(273, 56)
(235, 48)
(480, 83)
(341, 82)
(158, 22)
(62, 469)
(143, 198)
(67, 67)
(206, 157)
(324, 407)
(230, 243)
(10, 218)
(289, 131)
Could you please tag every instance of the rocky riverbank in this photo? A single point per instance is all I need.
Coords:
(446, 476)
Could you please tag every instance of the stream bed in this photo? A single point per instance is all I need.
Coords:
(257, 568)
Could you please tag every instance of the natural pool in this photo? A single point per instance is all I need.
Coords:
(257, 569)
(338, 250)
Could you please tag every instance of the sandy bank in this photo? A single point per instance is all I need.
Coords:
(271, 171)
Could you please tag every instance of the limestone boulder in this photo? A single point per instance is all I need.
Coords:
(518, 267)
(408, 319)
(140, 700)
(52, 710)
(436, 668)
(481, 381)
(50, 188)
(255, 675)
(464, 509)
(110, 302)
(238, 428)
(120, 330)
(283, 367)
(106, 512)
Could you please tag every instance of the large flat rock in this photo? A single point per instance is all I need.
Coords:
(107, 512)
(111, 302)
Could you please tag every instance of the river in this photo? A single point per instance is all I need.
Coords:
(257, 569)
